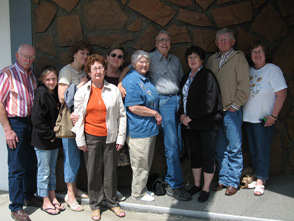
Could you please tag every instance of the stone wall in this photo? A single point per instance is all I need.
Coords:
(57, 24)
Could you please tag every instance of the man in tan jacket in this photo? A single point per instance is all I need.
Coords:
(232, 72)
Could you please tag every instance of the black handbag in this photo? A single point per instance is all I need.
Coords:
(156, 184)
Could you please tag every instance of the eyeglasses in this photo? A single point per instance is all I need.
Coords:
(101, 68)
(27, 57)
(120, 57)
(223, 40)
(143, 62)
(257, 52)
(193, 57)
(161, 40)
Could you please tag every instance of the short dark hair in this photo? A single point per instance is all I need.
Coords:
(95, 58)
(45, 71)
(197, 50)
(118, 47)
(254, 44)
(79, 45)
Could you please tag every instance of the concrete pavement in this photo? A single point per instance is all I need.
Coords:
(277, 203)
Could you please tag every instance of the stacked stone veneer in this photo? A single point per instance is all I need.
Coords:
(57, 24)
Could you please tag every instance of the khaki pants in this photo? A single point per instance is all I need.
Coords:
(141, 156)
(101, 164)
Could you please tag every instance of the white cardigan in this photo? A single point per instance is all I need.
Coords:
(115, 113)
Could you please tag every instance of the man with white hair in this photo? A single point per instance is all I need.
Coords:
(17, 85)
(232, 72)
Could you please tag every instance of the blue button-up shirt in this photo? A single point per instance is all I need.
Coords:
(165, 74)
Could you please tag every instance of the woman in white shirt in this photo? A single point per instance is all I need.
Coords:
(268, 91)
(73, 73)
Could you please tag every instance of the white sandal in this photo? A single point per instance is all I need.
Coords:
(259, 189)
(81, 194)
(251, 185)
(75, 206)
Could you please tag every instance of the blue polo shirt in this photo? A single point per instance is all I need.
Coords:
(140, 91)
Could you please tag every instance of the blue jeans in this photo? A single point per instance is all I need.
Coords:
(72, 159)
(259, 140)
(228, 149)
(46, 178)
(171, 129)
(22, 165)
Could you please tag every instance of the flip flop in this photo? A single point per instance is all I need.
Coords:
(58, 204)
(118, 212)
(46, 211)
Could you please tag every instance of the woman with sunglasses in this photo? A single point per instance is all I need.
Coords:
(115, 60)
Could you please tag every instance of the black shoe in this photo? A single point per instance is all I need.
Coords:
(194, 189)
(34, 201)
(180, 193)
(203, 196)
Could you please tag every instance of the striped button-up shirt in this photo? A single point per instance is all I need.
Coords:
(17, 90)
(222, 58)
(165, 74)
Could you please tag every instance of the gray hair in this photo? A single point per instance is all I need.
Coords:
(20, 47)
(138, 54)
(163, 31)
(224, 31)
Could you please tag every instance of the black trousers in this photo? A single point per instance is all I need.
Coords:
(202, 145)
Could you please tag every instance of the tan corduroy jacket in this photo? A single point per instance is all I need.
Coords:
(233, 78)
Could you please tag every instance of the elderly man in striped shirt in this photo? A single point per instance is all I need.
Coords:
(17, 84)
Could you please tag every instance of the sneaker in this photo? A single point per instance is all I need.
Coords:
(146, 198)
(120, 197)
(150, 193)
(179, 193)
(203, 196)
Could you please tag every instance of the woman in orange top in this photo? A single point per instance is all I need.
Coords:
(100, 134)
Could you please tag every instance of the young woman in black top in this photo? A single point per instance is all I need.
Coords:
(44, 115)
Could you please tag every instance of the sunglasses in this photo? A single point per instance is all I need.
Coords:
(120, 57)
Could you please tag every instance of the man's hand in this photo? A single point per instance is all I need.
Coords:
(11, 139)
(232, 109)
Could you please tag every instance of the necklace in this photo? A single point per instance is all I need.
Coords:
(99, 99)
